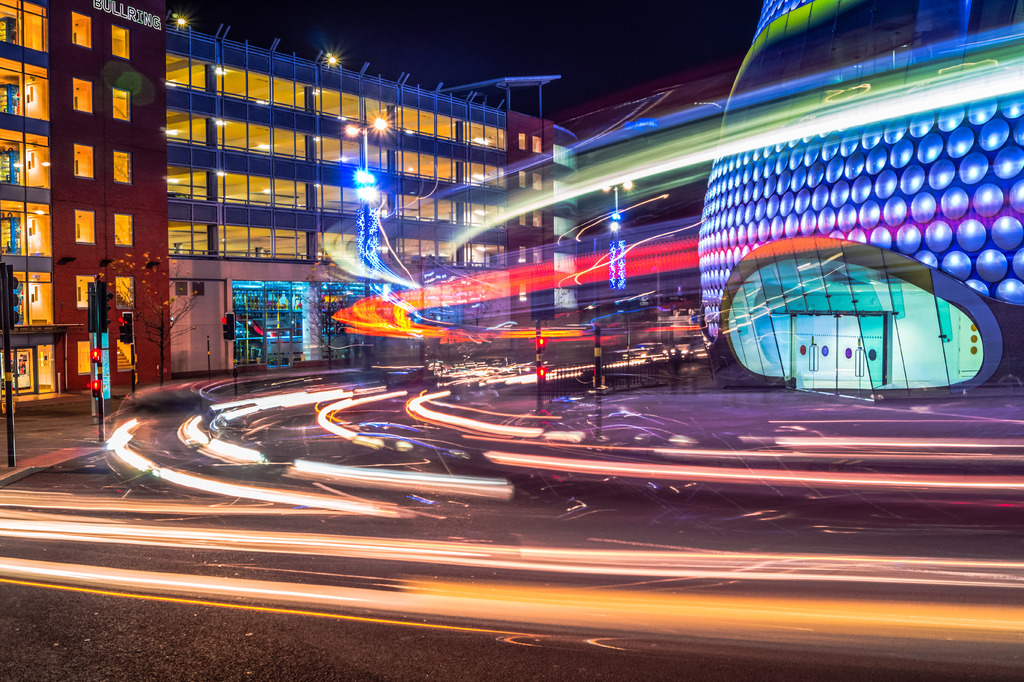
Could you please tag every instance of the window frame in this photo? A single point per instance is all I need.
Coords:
(92, 214)
(74, 88)
(127, 43)
(117, 292)
(92, 160)
(82, 304)
(131, 229)
(88, 35)
(113, 169)
(127, 104)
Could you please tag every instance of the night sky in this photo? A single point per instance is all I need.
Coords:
(598, 52)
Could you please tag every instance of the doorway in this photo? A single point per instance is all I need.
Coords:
(840, 354)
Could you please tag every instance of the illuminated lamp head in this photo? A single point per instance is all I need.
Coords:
(380, 124)
(332, 60)
(615, 226)
(628, 184)
(365, 178)
(352, 130)
(617, 217)
(366, 193)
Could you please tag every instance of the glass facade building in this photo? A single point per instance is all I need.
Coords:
(263, 150)
(905, 267)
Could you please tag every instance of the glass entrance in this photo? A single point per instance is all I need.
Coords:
(839, 353)
(279, 347)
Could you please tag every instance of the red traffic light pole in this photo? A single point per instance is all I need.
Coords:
(7, 275)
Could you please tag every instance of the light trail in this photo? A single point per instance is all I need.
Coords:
(775, 477)
(416, 409)
(804, 619)
(474, 486)
(118, 447)
(668, 564)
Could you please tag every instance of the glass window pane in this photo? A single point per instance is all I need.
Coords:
(123, 167)
(121, 105)
(85, 226)
(124, 294)
(119, 46)
(124, 229)
(81, 96)
(83, 161)
(81, 30)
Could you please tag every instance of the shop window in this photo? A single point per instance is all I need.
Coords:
(81, 30)
(119, 46)
(123, 167)
(124, 292)
(81, 99)
(82, 290)
(83, 161)
(122, 105)
(124, 229)
(84, 361)
(85, 226)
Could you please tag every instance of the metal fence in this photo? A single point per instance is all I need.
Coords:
(619, 375)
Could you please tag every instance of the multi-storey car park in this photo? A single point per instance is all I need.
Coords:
(862, 235)
(263, 149)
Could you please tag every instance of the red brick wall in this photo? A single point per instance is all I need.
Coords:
(145, 199)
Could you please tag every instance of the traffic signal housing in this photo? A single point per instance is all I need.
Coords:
(97, 387)
(229, 326)
(13, 295)
(126, 330)
(99, 308)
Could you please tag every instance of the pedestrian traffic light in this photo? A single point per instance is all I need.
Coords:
(13, 295)
(97, 387)
(126, 330)
(541, 343)
(229, 326)
(96, 356)
(542, 372)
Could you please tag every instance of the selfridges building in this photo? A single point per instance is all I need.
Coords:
(862, 230)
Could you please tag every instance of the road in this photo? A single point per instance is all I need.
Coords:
(411, 551)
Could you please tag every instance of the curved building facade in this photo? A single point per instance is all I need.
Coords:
(879, 256)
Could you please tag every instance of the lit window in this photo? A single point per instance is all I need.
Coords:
(522, 142)
(537, 216)
(123, 167)
(124, 288)
(537, 146)
(81, 30)
(124, 229)
(122, 105)
(119, 42)
(82, 290)
(538, 180)
(84, 361)
(85, 226)
(83, 161)
(81, 95)
(522, 178)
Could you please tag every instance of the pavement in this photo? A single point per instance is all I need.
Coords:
(50, 430)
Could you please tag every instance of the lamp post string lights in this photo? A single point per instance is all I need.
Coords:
(368, 219)
(616, 246)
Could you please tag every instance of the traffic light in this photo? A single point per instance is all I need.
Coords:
(99, 307)
(542, 372)
(96, 356)
(229, 326)
(97, 387)
(126, 330)
(541, 343)
(13, 295)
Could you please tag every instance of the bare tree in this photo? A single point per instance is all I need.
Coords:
(325, 300)
(159, 317)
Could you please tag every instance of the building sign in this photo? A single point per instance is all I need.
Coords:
(119, 9)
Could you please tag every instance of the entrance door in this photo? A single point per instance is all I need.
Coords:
(844, 354)
(24, 369)
(279, 347)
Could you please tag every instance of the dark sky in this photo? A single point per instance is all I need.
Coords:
(597, 51)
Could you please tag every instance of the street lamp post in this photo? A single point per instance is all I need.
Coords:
(616, 246)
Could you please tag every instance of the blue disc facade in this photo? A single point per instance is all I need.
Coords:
(944, 187)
